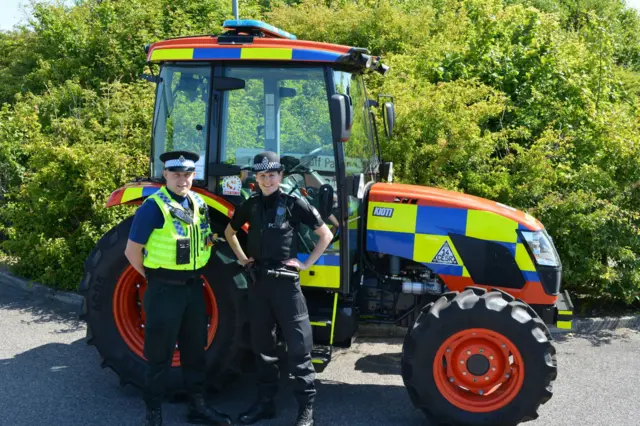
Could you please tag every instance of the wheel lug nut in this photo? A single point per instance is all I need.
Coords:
(507, 375)
(503, 345)
(480, 392)
(491, 357)
(451, 379)
(448, 350)
(493, 369)
(481, 350)
(462, 361)
(468, 352)
(141, 325)
(464, 373)
(486, 378)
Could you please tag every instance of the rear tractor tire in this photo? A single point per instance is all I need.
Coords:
(113, 309)
(478, 358)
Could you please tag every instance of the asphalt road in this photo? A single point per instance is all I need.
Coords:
(48, 376)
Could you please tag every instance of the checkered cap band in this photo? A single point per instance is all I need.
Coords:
(265, 164)
(180, 162)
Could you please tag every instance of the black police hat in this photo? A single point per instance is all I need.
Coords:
(180, 161)
(266, 161)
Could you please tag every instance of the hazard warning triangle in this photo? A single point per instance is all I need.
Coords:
(445, 255)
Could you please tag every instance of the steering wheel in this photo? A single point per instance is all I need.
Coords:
(306, 160)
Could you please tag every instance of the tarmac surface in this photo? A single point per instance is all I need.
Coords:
(49, 376)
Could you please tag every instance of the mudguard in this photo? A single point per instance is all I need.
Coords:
(135, 193)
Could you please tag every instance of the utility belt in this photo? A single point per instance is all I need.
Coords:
(173, 277)
(259, 270)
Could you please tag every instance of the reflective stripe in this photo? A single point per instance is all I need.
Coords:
(333, 318)
(565, 325)
(565, 312)
(318, 324)
(169, 54)
(248, 53)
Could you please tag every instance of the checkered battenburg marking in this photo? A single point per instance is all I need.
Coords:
(179, 229)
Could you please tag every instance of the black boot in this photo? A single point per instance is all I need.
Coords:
(305, 416)
(200, 414)
(263, 408)
(154, 417)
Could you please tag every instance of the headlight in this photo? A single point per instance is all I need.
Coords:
(542, 247)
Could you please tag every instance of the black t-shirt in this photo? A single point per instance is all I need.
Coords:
(301, 211)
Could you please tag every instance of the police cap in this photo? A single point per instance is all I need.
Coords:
(180, 161)
(266, 162)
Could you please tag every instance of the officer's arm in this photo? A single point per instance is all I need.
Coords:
(230, 236)
(133, 251)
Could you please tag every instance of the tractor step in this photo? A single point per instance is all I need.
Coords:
(320, 322)
(321, 357)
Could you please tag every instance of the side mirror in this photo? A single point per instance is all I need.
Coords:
(389, 115)
(325, 201)
(386, 171)
(354, 185)
(341, 117)
(228, 83)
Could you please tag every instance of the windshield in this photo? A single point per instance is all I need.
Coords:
(180, 117)
(284, 110)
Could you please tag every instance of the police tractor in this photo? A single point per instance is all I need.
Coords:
(477, 284)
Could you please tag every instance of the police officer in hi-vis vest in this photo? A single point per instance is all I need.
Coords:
(169, 244)
(274, 218)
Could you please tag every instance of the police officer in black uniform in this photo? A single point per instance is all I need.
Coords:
(274, 218)
(169, 244)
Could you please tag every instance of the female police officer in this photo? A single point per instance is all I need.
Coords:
(273, 218)
(169, 244)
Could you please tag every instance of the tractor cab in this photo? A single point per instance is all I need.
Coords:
(257, 88)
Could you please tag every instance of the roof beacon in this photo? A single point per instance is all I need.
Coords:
(253, 26)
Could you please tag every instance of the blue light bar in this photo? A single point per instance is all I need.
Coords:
(258, 25)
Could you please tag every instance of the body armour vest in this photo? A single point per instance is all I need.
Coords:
(272, 236)
(181, 242)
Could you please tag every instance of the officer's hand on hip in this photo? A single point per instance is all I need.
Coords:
(246, 261)
(296, 264)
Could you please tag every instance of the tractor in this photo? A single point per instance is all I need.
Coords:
(476, 283)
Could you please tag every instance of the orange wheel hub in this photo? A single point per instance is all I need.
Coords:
(478, 370)
(129, 315)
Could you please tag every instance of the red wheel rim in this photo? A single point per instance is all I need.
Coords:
(130, 318)
(464, 355)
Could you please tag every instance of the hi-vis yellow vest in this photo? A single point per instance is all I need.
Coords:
(160, 250)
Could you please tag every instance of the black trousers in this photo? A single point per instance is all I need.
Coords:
(176, 313)
(281, 300)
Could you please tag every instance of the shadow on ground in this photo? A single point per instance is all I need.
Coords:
(41, 309)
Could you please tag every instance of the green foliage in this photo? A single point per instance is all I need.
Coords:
(71, 148)
(533, 103)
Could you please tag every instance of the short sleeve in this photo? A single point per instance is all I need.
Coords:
(241, 215)
(307, 214)
(147, 218)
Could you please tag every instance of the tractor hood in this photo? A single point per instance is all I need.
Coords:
(387, 193)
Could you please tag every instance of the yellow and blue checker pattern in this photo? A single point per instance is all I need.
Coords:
(324, 273)
(239, 53)
(421, 233)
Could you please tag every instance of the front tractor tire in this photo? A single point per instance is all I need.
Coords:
(114, 312)
(478, 358)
